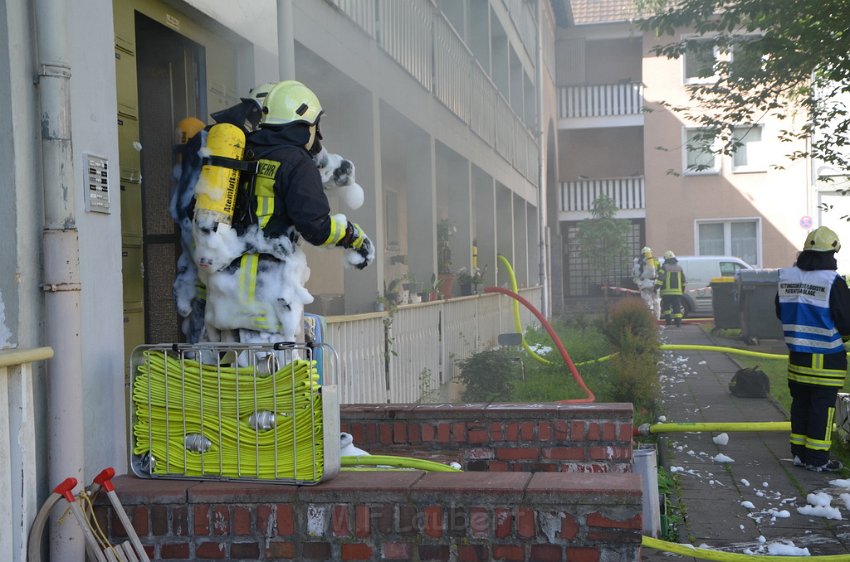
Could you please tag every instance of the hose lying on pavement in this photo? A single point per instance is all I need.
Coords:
(722, 556)
(696, 427)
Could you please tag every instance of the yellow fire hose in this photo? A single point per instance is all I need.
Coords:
(517, 322)
(706, 554)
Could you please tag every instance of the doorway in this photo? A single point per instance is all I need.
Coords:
(171, 86)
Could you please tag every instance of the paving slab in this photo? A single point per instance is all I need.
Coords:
(750, 501)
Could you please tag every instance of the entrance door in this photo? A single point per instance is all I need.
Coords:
(170, 75)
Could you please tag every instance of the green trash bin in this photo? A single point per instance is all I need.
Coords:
(756, 290)
(724, 303)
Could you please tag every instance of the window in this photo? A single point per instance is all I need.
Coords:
(392, 231)
(699, 157)
(748, 156)
(738, 237)
(699, 60)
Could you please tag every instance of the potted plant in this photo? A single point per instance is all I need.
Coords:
(469, 281)
(445, 230)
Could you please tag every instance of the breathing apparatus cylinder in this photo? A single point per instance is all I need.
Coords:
(215, 192)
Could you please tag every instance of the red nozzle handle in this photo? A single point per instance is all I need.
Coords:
(65, 488)
(104, 479)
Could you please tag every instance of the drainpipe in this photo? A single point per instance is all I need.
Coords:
(61, 271)
(285, 40)
(541, 172)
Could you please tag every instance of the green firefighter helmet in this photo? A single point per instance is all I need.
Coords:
(822, 239)
(646, 251)
(291, 101)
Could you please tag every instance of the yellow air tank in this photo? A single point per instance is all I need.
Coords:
(215, 193)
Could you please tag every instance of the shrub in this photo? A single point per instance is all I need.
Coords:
(631, 323)
(489, 376)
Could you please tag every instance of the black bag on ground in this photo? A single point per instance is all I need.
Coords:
(751, 382)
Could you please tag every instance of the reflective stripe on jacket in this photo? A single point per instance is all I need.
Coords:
(671, 279)
(803, 299)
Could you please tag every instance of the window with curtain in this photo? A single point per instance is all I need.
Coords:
(738, 238)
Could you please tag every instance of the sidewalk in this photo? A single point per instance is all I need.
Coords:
(695, 389)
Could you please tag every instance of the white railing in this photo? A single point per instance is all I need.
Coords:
(18, 487)
(452, 65)
(360, 12)
(406, 356)
(627, 193)
(601, 100)
(405, 33)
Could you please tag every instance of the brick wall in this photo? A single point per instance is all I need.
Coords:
(522, 508)
(499, 437)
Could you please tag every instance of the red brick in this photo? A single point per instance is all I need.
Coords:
(280, 549)
(518, 453)
(414, 434)
(473, 553)
(525, 523)
(609, 453)
(582, 554)
(508, 552)
(358, 432)
(512, 432)
(245, 550)
(118, 529)
(546, 553)
(569, 527)
(433, 521)
(180, 521)
(356, 551)
(609, 431)
(371, 437)
(459, 432)
(526, 431)
(362, 521)
(174, 550)
(220, 523)
(444, 433)
(241, 521)
(159, 522)
(477, 436)
(138, 518)
(400, 432)
(408, 520)
(428, 433)
(340, 521)
(625, 432)
(497, 431)
(596, 519)
(498, 466)
(544, 431)
(434, 552)
(102, 513)
(316, 551)
(201, 520)
(613, 535)
(395, 551)
(561, 430)
(285, 520)
(384, 516)
(564, 453)
(594, 431)
(211, 550)
(386, 432)
(503, 523)
(578, 431)
(479, 523)
(265, 523)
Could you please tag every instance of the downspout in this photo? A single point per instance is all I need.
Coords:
(542, 225)
(285, 40)
(65, 454)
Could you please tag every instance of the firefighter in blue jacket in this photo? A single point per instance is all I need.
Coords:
(813, 304)
(671, 282)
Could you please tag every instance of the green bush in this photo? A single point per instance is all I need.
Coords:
(489, 376)
(631, 323)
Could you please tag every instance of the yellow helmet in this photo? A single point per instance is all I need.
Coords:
(822, 239)
(669, 254)
(187, 128)
(291, 101)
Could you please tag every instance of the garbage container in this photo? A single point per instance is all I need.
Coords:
(756, 290)
(724, 303)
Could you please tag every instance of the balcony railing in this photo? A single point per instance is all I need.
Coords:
(627, 193)
(600, 100)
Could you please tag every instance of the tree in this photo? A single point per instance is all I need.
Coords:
(603, 238)
(788, 58)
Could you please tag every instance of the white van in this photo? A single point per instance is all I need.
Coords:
(699, 271)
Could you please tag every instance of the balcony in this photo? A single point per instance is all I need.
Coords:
(577, 197)
(600, 105)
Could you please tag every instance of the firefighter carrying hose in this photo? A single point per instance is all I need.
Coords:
(813, 304)
(671, 282)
